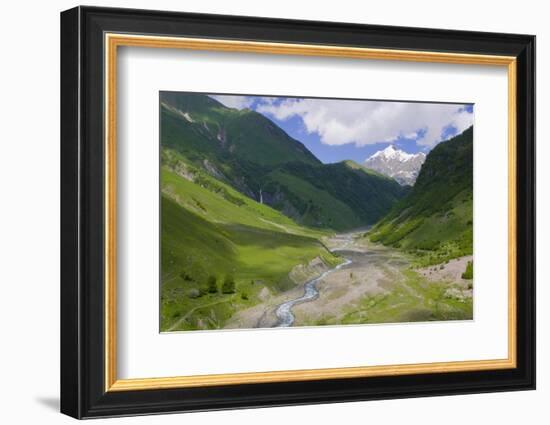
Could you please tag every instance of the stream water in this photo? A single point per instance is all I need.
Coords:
(311, 293)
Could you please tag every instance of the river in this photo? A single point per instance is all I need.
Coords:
(284, 313)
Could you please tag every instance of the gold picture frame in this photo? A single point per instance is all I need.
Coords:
(114, 41)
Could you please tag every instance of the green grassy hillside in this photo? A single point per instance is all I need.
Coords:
(339, 196)
(212, 234)
(243, 134)
(253, 155)
(435, 219)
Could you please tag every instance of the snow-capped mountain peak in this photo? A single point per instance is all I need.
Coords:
(400, 165)
(392, 153)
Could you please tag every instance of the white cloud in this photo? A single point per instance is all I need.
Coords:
(237, 102)
(338, 122)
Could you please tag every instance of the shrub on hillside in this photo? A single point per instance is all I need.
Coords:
(469, 272)
(212, 285)
(186, 276)
(228, 286)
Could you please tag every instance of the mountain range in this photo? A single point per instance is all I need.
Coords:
(436, 216)
(247, 151)
(397, 164)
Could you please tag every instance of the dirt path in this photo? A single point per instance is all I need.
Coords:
(277, 225)
(190, 312)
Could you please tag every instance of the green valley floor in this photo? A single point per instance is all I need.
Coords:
(379, 285)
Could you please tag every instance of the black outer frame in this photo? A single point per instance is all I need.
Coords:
(82, 219)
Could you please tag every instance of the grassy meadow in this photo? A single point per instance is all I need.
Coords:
(233, 237)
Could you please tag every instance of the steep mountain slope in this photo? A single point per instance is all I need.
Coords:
(235, 146)
(249, 152)
(436, 216)
(242, 133)
(397, 164)
(343, 195)
(209, 231)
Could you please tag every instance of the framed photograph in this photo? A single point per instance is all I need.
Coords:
(261, 212)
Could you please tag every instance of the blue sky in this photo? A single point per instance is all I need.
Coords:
(335, 130)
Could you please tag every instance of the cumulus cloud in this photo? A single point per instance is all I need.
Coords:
(237, 102)
(339, 122)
